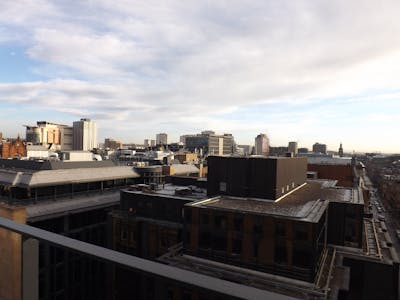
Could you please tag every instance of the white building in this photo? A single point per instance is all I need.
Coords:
(162, 139)
(69, 156)
(37, 152)
(67, 133)
(261, 144)
(84, 135)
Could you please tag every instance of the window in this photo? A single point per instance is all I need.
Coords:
(187, 295)
(124, 234)
(350, 230)
(237, 246)
(255, 248)
(132, 237)
(170, 294)
(204, 240)
(237, 222)
(280, 229)
(257, 225)
(204, 219)
(301, 258)
(219, 243)
(222, 186)
(187, 237)
(301, 232)
(220, 222)
(188, 215)
(280, 255)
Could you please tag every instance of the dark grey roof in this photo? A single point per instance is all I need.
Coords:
(57, 165)
(51, 209)
(64, 176)
(51, 165)
(303, 204)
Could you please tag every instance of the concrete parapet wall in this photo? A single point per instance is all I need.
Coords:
(11, 255)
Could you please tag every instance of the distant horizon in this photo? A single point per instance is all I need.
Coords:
(101, 141)
(305, 72)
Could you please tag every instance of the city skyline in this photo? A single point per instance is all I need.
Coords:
(307, 72)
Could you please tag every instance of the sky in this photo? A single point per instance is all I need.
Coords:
(305, 71)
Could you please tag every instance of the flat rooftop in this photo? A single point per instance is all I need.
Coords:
(172, 191)
(306, 203)
(345, 195)
(322, 160)
(28, 178)
(51, 209)
(34, 165)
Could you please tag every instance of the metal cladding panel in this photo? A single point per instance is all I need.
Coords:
(153, 206)
(241, 177)
(336, 224)
(227, 176)
(261, 177)
(291, 173)
(255, 177)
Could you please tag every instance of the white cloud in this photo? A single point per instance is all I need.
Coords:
(189, 63)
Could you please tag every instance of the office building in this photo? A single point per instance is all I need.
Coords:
(186, 157)
(67, 133)
(51, 135)
(161, 139)
(319, 148)
(32, 181)
(154, 214)
(310, 243)
(84, 135)
(182, 138)
(72, 199)
(303, 150)
(146, 143)
(278, 151)
(112, 144)
(244, 149)
(292, 148)
(209, 143)
(261, 146)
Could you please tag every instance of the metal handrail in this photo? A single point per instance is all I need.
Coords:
(185, 277)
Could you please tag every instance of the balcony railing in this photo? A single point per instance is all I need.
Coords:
(178, 277)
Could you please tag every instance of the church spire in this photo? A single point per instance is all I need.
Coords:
(341, 150)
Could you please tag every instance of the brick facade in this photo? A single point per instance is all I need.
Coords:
(12, 149)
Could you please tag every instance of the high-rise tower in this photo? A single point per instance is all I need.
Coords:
(262, 144)
(84, 135)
